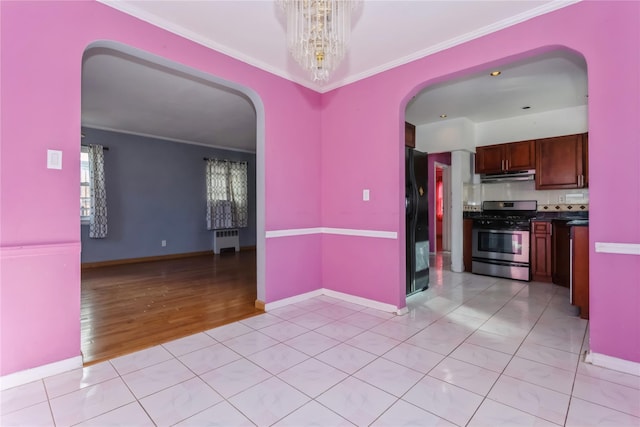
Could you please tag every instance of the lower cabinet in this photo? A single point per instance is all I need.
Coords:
(541, 251)
(580, 269)
(467, 236)
(560, 253)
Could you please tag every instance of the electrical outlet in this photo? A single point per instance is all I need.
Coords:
(163, 243)
(561, 199)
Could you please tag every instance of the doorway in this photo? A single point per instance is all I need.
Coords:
(442, 205)
(141, 150)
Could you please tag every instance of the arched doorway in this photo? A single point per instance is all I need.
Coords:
(171, 70)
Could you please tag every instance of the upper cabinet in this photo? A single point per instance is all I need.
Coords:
(561, 162)
(512, 157)
(409, 135)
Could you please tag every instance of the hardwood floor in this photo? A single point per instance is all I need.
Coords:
(130, 307)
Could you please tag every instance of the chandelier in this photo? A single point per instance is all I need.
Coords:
(318, 33)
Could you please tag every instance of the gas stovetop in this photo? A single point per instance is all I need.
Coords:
(514, 215)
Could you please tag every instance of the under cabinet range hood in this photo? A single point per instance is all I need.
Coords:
(528, 175)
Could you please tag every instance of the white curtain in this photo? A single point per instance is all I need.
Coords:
(226, 194)
(98, 216)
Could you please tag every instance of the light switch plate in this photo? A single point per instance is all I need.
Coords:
(365, 195)
(54, 159)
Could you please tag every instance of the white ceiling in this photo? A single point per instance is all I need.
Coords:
(129, 95)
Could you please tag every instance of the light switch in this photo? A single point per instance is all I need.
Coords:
(365, 195)
(54, 159)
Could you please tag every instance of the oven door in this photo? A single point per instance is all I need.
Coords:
(503, 245)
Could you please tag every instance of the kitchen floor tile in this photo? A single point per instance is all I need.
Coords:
(312, 343)
(617, 377)
(20, 397)
(389, 376)
(494, 414)
(261, 321)
(312, 320)
(141, 359)
(235, 377)
(587, 414)
(481, 356)
(447, 401)
(540, 374)
(76, 379)
(312, 377)
(89, 402)
(403, 414)
(32, 416)
(313, 414)
(615, 396)
(414, 357)
(283, 331)
(396, 330)
(250, 343)
(356, 401)
(339, 330)
(373, 342)
(188, 344)
(465, 375)
(157, 377)
(278, 358)
(269, 401)
(535, 400)
(226, 332)
(346, 358)
(220, 415)
(124, 416)
(179, 402)
(208, 358)
(548, 356)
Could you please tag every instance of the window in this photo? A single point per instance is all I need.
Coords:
(226, 194)
(85, 186)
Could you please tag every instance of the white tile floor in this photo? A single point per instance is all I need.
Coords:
(472, 351)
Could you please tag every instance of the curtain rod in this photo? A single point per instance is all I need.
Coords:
(225, 160)
(103, 147)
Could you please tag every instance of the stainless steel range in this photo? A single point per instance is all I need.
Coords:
(501, 238)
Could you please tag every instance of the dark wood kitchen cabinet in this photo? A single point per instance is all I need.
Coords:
(541, 251)
(580, 269)
(467, 243)
(409, 135)
(511, 157)
(560, 252)
(562, 162)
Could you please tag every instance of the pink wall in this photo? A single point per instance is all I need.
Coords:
(364, 121)
(445, 159)
(42, 44)
(360, 146)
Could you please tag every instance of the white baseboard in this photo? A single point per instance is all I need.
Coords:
(338, 295)
(40, 372)
(292, 300)
(613, 363)
(402, 311)
(361, 301)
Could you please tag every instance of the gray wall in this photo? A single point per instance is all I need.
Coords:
(156, 191)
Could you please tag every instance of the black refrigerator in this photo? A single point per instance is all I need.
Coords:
(417, 222)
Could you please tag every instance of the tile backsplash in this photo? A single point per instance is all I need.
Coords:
(475, 194)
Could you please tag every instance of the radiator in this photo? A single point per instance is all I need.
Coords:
(225, 239)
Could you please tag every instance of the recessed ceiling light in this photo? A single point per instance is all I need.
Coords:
(443, 116)
(495, 73)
